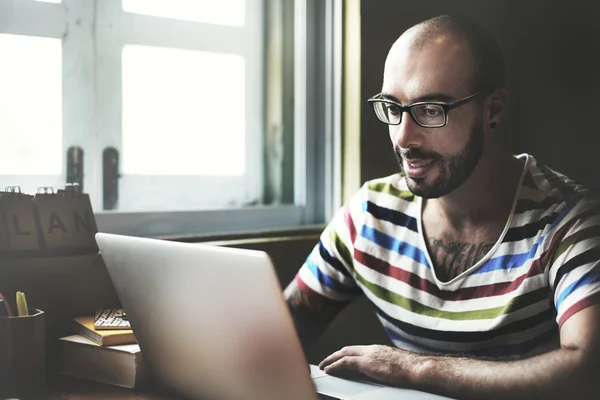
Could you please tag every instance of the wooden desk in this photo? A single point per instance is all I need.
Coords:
(64, 388)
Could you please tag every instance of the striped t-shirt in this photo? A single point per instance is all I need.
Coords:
(544, 268)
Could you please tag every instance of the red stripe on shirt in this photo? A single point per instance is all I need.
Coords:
(349, 223)
(580, 305)
(303, 286)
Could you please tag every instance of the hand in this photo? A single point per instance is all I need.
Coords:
(383, 364)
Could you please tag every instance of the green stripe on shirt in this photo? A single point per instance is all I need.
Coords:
(341, 249)
(512, 305)
(387, 188)
(587, 233)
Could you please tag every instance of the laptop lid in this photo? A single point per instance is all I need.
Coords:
(211, 321)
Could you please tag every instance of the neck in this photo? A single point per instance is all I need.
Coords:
(486, 196)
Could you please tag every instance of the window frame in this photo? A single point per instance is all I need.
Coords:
(317, 119)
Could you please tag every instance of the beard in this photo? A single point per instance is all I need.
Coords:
(453, 170)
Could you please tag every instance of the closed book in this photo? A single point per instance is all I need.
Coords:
(85, 326)
(121, 365)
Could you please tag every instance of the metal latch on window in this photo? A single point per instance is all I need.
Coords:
(110, 178)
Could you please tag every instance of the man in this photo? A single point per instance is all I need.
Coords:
(482, 267)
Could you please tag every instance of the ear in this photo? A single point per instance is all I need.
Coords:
(495, 106)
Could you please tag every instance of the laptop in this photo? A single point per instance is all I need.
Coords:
(212, 323)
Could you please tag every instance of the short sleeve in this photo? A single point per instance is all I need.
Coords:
(329, 268)
(574, 269)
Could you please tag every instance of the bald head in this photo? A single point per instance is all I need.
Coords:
(459, 37)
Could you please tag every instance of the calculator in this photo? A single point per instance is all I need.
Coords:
(111, 318)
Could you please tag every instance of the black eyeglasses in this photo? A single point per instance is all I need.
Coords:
(428, 114)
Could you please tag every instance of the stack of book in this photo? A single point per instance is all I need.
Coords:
(109, 356)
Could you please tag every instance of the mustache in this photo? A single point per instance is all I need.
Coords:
(414, 153)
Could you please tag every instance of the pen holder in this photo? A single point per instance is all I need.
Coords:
(22, 353)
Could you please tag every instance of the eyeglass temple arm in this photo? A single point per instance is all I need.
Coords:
(462, 101)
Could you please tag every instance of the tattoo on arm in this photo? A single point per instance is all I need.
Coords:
(450, 259)
(311, 313)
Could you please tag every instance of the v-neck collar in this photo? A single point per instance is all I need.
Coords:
(459, 278)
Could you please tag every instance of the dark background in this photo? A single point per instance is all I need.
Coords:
(552, 58)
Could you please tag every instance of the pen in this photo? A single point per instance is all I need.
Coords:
(7, 306)
(3, 312)
(22, 305)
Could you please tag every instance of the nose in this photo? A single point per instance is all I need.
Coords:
(408, 133)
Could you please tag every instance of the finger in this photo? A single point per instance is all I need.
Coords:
(349, 366)
(345, 351)
(330, 359)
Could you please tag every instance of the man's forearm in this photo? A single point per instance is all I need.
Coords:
(560, 374)
(310, 312)
(307, 328)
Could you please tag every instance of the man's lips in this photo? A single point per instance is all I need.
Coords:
(417, 167)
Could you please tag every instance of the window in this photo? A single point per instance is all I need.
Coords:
(187, 103)
(176, 116)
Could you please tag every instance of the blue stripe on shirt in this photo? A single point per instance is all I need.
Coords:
(393, 244)
(328, 281)
(508, 261)
(590, 277)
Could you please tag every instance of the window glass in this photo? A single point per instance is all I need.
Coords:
(183, 112)
(30, 105)
(222, 12)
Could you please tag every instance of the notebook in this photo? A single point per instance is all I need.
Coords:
(85, 326)
(121, 365)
